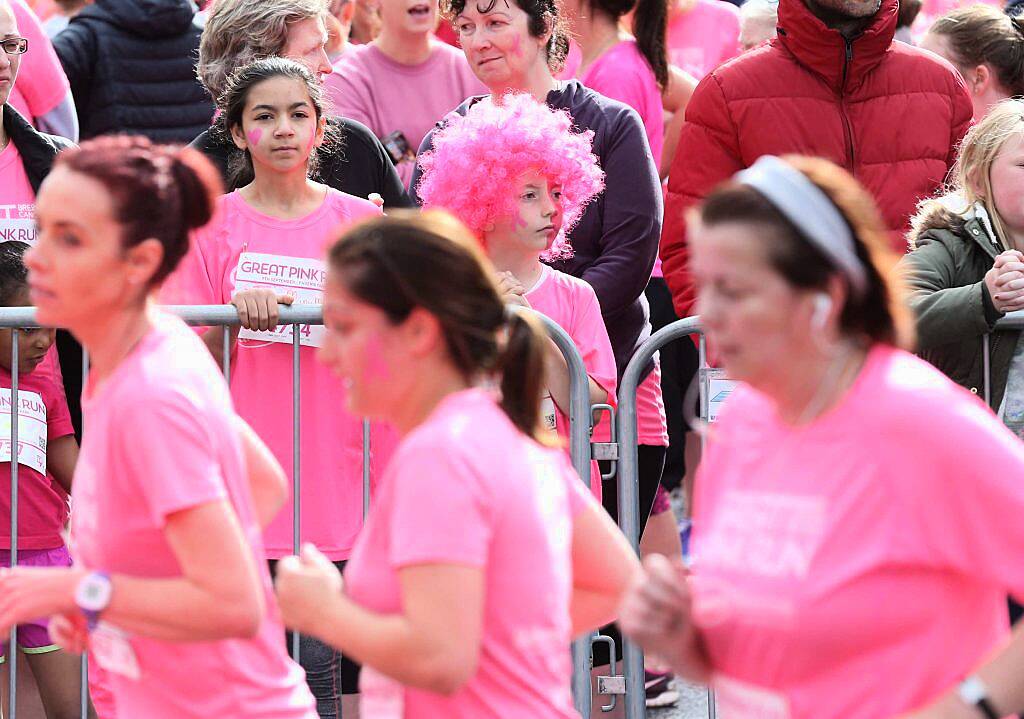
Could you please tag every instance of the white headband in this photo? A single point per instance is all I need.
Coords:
(810, 209)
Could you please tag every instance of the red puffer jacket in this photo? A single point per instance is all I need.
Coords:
(891, 114)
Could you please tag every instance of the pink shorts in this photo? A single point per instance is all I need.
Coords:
(662, 503)
(33, 637)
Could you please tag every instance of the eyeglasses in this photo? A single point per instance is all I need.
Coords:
(15, 45)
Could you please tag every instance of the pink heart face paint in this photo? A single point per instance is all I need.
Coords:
(254, 136)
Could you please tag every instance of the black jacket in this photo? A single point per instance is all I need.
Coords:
(358, 165)
(38, 151)
(131, 65)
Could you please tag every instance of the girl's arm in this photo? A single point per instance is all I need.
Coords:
(557, 376)
(434, 644)
(603, 568)
(675, 98)
(267, 480)
(218, 595)
(61, 457)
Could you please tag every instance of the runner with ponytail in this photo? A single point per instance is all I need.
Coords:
(483, 554)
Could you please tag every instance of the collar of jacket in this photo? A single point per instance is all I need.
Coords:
(822, 50)
(979, 233)
(38, 150)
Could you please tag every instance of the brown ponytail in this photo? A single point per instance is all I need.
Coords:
(522, 373)
(430, 260)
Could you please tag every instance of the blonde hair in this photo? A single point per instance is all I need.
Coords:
(972, 174)
(238, 32)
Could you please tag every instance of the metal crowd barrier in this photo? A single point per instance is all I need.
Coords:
(225, 316)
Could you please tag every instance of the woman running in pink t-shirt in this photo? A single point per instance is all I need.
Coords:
(552, 176)
(856, 524)
(265, 246)
(483, 554)
(169, 594)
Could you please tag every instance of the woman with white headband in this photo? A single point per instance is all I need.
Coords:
(857, 514)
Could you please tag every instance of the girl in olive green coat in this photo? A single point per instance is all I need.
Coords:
(966, 265)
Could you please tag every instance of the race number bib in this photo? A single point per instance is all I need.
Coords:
(18, 222)
(301, 277)
(547, 414)
(112, 650)
(379, 696)
(31, 429)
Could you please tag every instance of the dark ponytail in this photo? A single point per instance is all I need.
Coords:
(650, 21)
(522, 373)
(430, 260)
(157, 191)
(649, 27)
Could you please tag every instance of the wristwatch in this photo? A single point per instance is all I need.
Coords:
(973, 692)
(93, 596)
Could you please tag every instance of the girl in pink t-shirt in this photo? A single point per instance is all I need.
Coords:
(630, 69)
(265, 246)
(169, 593)
(552, 176)
(483, 554)
(856, 526)
(46, 462)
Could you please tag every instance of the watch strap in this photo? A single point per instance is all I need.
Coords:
(974, 693)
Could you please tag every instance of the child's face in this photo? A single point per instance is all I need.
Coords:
(279, 125)
(32, 344)
(537, 220)
(1007, 177)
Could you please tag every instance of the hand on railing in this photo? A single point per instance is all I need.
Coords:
(258, 308)
(1005, 281)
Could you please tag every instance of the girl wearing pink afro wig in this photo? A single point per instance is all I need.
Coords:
(519, 177)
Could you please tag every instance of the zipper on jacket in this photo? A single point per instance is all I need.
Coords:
(847, 127)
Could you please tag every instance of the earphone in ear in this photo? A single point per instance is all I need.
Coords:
(822, 306)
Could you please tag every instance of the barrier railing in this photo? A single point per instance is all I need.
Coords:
(225, 316)
(1012, 321)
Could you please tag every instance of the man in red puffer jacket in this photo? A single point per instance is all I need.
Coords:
(833, 84)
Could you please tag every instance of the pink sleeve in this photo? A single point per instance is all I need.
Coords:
(958, 472)
(591, 338)
(441, 512)
(58, 417)
(730, 36)
(166, 448)
(41, 79)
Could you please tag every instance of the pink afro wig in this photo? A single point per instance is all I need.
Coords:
(476, 159)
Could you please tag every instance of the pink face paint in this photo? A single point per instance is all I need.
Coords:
(254, 136)
(517, 50)
(376, 366)
(312, 141)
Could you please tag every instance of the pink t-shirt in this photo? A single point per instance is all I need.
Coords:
(386, 96)
(623, 74)
(162, 440)
(651, 425)
(857, 566)
(41, 84)
(42, 417)
(243, 245)
(702, 38)
(572, 303)
(17, 200)
(498, 501)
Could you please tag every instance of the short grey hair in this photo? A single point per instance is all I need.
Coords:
(240, 31)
